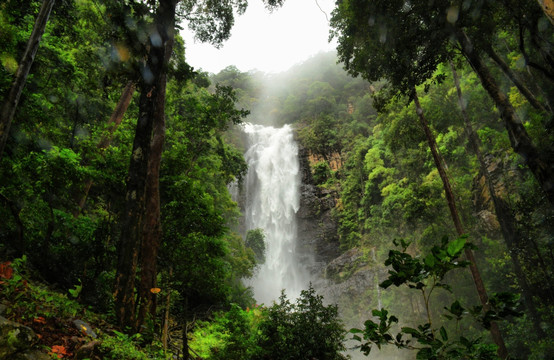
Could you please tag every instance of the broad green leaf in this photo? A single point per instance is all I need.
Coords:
(456, 246)
(430, 260)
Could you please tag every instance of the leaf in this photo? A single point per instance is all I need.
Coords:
(60, 351)
(456, 246)
(6, 271)
(408, 330)
(444, 334)
(425, 353)
(39, 320)
(430, 260)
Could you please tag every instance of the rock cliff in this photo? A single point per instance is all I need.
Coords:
(317, 230)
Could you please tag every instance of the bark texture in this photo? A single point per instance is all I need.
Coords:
(11, 102)
(134, 215)
(152, 227)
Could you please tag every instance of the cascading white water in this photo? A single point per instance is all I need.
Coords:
(272, 200)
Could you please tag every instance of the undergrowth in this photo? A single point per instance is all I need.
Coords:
(51, 313)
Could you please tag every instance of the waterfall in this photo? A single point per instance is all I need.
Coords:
(272, 200)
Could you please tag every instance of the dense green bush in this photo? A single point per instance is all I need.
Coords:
(306, 329)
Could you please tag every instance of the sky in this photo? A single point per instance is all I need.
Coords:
(268, 42)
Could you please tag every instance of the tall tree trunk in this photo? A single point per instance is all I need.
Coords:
(503, 212)
(478, 281)
(131, 236)
(165, 329)
(541, 165)
(129, 244)
(105, 141)
(516, 81)
(152, 227)
(10, 104)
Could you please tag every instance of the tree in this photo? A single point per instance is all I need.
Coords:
(479, 285)
(152, 93)
(355, 24)
(10, 104)
(304, 330)
(503, 212)
(212, 23)
(404, 42)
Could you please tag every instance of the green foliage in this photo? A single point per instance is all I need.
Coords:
(415, 272)
(306, 329)
(197, 166)
(429, 340)
(321, 172)
(255, 240)
(117, 345)
(230, 335)
(30, 300)
(76, 291)
(121, 346)
(322, 137)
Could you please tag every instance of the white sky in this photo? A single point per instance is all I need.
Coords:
(269, 42)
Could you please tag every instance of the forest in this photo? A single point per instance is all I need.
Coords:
(429, 136)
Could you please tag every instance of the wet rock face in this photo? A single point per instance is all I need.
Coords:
(351, 274)
(317, 230)
(14, 338)
(341, 268)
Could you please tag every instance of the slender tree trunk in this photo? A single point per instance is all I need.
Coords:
(10, 104)
(503, 212)
(118, 113)
(478, 281)
(134, 216)
(152, 228)
(113, 124)
(165, 329)
(516, 81)
(540, 164)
